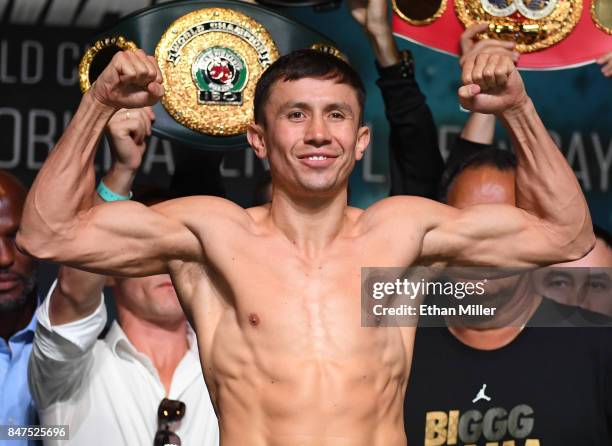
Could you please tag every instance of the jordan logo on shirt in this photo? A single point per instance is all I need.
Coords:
(481, 395)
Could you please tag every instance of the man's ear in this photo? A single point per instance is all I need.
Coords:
(255, 136)
(363, 140)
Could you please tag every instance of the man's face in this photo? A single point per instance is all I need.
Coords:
(151, 298)
(586, 282)
(311, 135)
(16, 269)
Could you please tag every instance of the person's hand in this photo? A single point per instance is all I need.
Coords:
(131, 80)
(370, 14)
(128, 130)
(470, 44)
(606, 64)
(491, 84)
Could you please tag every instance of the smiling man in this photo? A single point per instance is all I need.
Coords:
(273, 292)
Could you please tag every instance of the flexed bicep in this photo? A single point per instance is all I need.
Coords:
(492, 235)
(122, 239)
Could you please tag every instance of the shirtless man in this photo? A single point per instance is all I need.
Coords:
(273, 292)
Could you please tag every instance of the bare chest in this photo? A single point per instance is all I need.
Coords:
(283, 301)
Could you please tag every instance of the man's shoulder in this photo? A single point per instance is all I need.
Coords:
(402, 203)
(408, 208)
(198, 203)
(203, 209)
(259, 213)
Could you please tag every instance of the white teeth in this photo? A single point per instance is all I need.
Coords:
(317, 158)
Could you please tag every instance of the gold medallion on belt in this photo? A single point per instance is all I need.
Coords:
(211, 60)
(532, 24)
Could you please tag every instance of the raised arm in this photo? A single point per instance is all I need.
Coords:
(415, 163)
(77, 293)
(480, 127)
(479, 130)
(551, 223)
(119, 238)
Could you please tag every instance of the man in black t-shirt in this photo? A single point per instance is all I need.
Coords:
(521, 385)
(547, 386)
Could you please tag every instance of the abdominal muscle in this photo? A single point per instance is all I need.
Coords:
(282, 377)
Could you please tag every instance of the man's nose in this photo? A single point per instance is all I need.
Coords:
(7, 252)
(317, 133)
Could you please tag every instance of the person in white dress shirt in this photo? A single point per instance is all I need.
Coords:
(142, 384)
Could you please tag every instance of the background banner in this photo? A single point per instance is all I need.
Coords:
(42, 41)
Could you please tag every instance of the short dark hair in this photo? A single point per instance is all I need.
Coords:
(302, 64)
(500, 159)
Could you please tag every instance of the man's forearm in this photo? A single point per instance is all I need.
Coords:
(415, 162)
(65, 185)
(385, 48)
(546, 186)
(479, 128)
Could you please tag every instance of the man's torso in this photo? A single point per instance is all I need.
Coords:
(283, 350)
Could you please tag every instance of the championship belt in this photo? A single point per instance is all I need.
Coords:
(211, 54)
(549, 33)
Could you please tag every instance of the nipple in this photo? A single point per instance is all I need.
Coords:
(253, 319)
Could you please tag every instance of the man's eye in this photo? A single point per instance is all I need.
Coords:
(599, 285)
(296, 115)
(336, 115)
(559, 283)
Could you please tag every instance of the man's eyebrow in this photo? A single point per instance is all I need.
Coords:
(600, 276)
(295, 104)
(557, 274)
(339, 106)
(304, 105)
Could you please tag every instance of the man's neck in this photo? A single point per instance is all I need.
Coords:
(310, 224)
(165, 346)
(14, 320)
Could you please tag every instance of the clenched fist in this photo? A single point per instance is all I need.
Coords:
(128, 131)
(131, 80)
(491, 83)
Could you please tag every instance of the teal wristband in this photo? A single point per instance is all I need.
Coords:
(108, 195)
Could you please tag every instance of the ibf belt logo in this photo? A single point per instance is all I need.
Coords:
(493, 427)
(532, 24)
(220, 75)
(532, 9)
